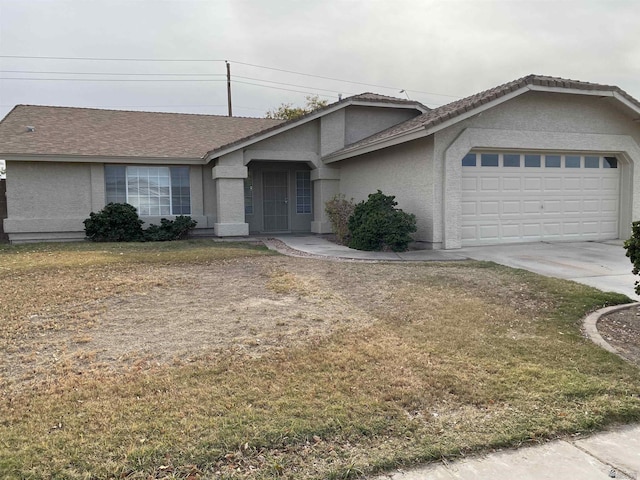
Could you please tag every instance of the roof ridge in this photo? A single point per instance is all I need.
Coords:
(135, 111)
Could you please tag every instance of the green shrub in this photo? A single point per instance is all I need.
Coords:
(339, 209)
(119, 222)
(170, 229)
(632, 246)
(377, 225)
(116, 222)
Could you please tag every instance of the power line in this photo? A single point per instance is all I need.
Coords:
(115, 59)
(111, 79)
(233, 61)
(114, 73)
(285, 89)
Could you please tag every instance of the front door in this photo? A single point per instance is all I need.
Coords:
(275, 199)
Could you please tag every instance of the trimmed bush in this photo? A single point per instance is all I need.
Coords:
(377, 225)
(170, 229)
(632, 246)
(116, 222)
(339, 209)
(119, 222)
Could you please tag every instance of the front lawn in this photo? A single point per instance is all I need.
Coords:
(212, 360)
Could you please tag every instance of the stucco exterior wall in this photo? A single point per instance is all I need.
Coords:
(50, 200)
(362, 122)
(541, 121)
(304, 138)
(404, 171)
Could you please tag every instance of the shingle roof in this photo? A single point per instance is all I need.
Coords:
(93, 132)
(454, 109)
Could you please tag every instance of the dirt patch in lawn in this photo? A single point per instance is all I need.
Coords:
(622, 330)
(181, 313)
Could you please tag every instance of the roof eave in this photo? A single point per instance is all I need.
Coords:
(35, 157)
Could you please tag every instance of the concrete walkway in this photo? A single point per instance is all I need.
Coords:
(603, 265)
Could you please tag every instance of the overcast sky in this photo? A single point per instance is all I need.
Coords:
(435, 50)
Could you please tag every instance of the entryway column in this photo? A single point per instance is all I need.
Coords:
(326, 185)
(229, 181)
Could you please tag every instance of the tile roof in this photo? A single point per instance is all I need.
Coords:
(94, 132)
(454, 109)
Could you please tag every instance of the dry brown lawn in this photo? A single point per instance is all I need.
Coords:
(200, 360)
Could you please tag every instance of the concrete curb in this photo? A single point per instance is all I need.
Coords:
(589, 325)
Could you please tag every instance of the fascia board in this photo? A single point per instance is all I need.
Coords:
(12, 157)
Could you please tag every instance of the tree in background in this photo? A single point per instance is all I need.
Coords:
(286, 111)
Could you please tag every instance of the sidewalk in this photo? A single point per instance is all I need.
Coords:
(610, 454)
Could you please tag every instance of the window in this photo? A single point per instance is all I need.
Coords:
(303, 192)
(591, 162)
(610, 162)
(152, 190)
(511, 160)
(571, 161)
(248, 194)
(469, 160)
(552, 161)
(489, 159)
(532, 161)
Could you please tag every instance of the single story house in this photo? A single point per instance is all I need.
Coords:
(536, 159)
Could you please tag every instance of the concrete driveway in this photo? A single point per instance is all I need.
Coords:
(602, 265)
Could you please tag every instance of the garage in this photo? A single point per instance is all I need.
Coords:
(530, 197)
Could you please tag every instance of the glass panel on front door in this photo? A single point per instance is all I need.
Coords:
(275, 199)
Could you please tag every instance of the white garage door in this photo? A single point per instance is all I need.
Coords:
(510, 198)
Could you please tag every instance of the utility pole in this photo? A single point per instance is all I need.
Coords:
(229, 87)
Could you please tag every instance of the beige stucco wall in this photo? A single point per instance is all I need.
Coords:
(404, 171)
(554, 122)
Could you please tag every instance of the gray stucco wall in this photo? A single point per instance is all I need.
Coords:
(50, 200)
(362, 122)
(404, 171)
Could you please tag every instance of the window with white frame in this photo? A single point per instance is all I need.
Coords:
(153, 191)
(303, 192)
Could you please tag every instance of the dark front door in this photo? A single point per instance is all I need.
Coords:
(275, 199)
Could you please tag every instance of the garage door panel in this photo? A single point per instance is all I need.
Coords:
(532, 184)
(469, 184)
(511, 204)
(531, 206)
(572, 184)
(591, 206)
(511, 207)
(609, 206)
(511, 184)
(489, 232)
(490, 184)
(590, 184)
(552, 206)
(490, 208)
(553, 184)
(511, 231)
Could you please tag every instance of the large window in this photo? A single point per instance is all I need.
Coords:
(152, 190)
(303, 192)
